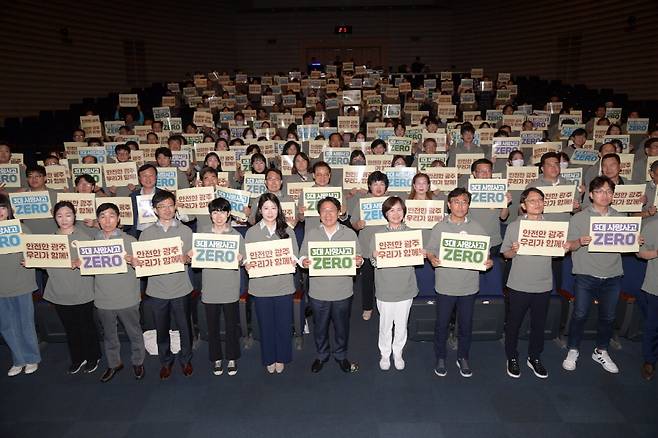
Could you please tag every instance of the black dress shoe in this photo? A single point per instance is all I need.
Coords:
(110, 372)
(187, 369)
(317, 365)
(348, 367)
(165, 372)
(139, 371)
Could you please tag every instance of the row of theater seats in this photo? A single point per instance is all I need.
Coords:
(489, 313)
(54, 127)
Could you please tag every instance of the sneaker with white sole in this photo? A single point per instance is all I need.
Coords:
(569, 362)
(603, 358)
(513, 368)
(385, 363)
(398, 362)
(464, 368)
(217, 368)
(92, 366)
(440, 369)
(31, 368)
(14, 371)
(232, 368)
(537, 367)
(76, 367)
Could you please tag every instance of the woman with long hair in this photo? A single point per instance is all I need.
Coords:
(272, 294)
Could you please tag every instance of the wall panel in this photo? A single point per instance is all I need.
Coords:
(588, 42)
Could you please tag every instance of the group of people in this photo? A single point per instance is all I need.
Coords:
(529, 280)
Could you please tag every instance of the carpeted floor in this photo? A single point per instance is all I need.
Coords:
(371, 403)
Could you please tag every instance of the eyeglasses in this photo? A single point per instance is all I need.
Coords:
(165, 206)
(603, 192)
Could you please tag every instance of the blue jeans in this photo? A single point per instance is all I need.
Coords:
(445, 304)
(17, 328)
(606, 292)
(649, 305)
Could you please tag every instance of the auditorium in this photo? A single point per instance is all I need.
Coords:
(369, 218)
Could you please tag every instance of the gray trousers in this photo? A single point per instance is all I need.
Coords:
(129, 318)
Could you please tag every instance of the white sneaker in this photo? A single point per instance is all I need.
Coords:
(398, 362)
(31, 368)
(385, 363)
(603, 358)
(14, 371)
(217, 368)
(569, 363)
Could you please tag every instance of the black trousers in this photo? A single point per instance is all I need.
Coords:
(81, 334)
(519, 304)
(367, 285)
(338, 313)
(162, 310)
(232, 326)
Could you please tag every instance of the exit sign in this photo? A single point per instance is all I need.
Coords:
(342, 29)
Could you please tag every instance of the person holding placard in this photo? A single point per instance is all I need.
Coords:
(378, 147)
(221, 292)
(87, 184)
(5, 158)
(597, 276)
(649, 208)
(148, 177)
(377, 188)
(421, 191)
(530, 285)
(258, 164)
(208, 178)
(648, 299)
(272, 294)
(576, 140)
(466, 146)
(212, 160)
(322, 177)
(163, 158)
(331, 296)
(169, 294)
(73, 297)
(395, 289)
(595, 169)
(456, 288)
(515, 159)
(550, 176)
(490, 218)
(117, 297)
(300, 169)
(273, 184)
(36, 182)
(122, 155)
(599, 113)
(16, 307)
(650, 155)
(610, 167)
